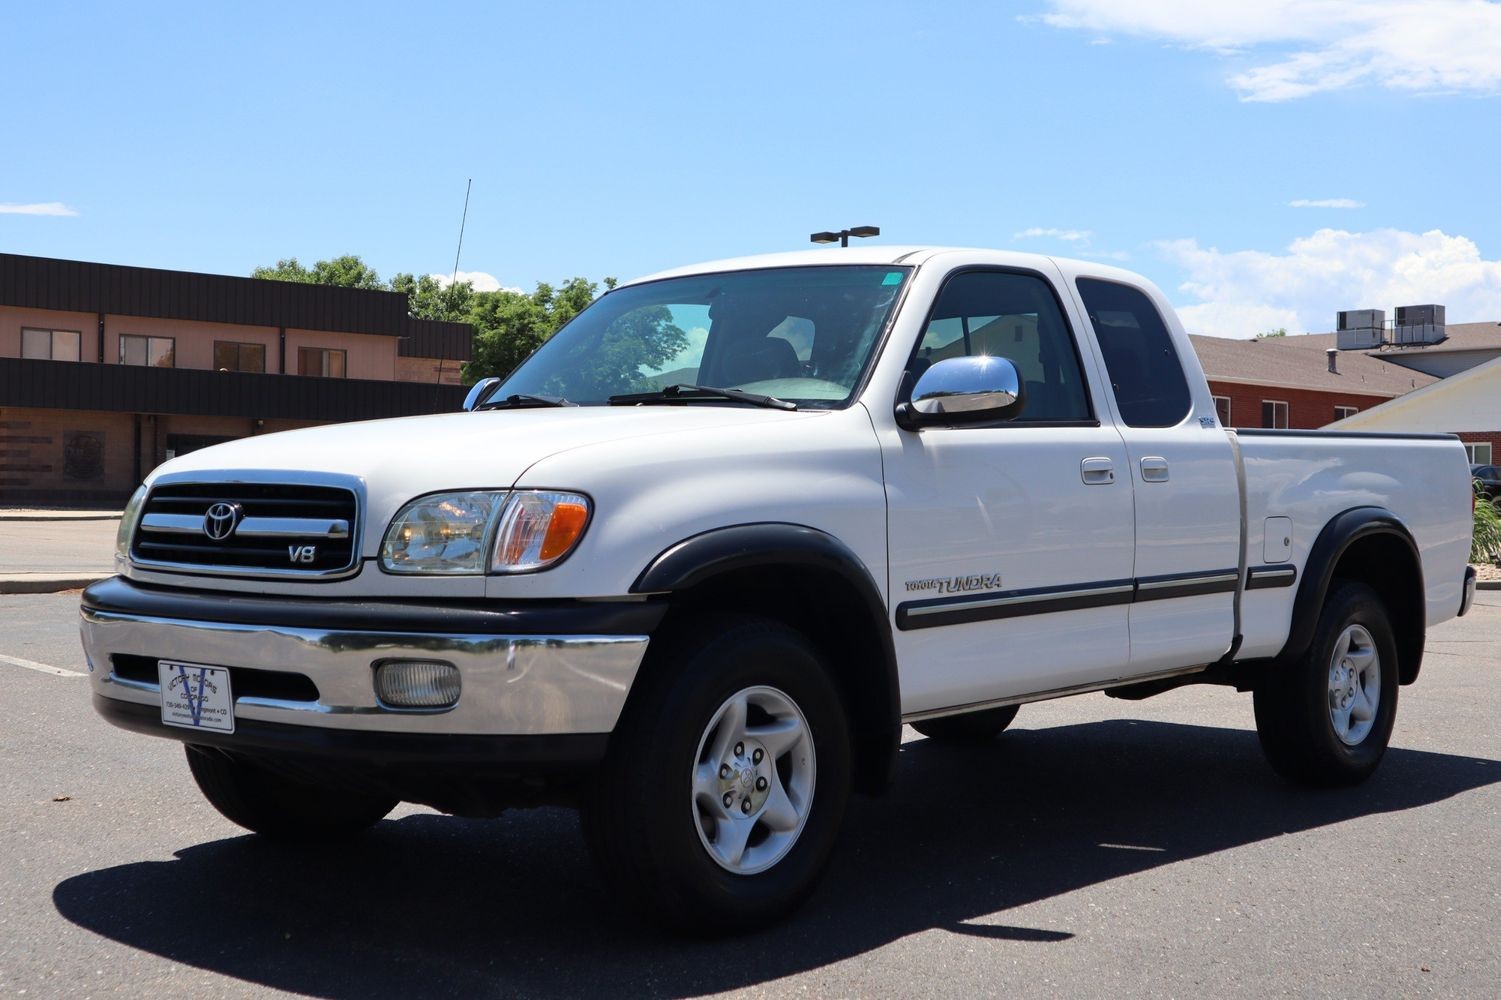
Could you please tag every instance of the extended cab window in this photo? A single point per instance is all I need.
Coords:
(1013, 316)
(1145, 372)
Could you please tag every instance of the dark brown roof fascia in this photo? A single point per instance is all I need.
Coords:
(69, 385)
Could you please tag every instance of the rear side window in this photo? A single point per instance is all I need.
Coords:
(1145, 372)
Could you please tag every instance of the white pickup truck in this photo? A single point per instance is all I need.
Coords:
(695, 562)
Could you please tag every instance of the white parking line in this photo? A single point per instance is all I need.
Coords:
(41, 668)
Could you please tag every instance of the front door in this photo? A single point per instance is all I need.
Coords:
(1010, 544)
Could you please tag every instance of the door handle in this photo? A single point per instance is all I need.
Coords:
(1154, 469)
(1097, 471)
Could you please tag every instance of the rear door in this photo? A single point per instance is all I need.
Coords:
(1183, 469)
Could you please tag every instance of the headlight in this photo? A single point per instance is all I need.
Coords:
(538, 528)
(444, 533)
(471, 533)
(128, 526)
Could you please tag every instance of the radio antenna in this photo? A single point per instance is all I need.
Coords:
(443, 350)
(462, 219)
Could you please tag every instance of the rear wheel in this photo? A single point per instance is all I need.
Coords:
(725, 785)
(270, 804)
(971, 727)
(1326, 719)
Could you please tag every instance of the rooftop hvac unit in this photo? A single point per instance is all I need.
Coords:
(1362, 319)
(1420, 315)
(1419, 325)
(1360, 339)
(1423, 333)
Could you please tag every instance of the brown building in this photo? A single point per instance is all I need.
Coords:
(1307, 382)
(106, 371)
(1287, 382)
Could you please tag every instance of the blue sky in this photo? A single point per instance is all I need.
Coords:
(1176, 138)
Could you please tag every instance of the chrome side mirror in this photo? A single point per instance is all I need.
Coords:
(481, 389)
(966, 390)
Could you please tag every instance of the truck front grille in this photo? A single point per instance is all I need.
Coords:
(248, 529)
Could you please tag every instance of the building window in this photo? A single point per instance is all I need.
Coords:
(320, 361)
(1341, 412)
(50, 345)
(1222, 407)
(236, 357)
(155, 352)
(1273, 413)
(1479, 452)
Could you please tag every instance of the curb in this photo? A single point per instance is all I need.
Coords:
(46, 583)
(59, 517)
(1488, 585)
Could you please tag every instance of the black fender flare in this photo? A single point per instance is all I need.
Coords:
(700, 558)
(1343, 531)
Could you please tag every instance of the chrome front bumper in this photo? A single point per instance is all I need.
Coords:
(523, 685)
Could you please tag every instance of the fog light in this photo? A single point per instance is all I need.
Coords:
(417, 684)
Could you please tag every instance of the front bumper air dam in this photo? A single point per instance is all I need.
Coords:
(540, 680)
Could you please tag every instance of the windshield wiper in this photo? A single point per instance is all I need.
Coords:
(683, 393)
(521, 400)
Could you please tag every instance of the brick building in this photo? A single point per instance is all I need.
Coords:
(1288, 382)
(1306, 382)
(106, 371)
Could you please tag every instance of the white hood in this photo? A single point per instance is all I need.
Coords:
(487, 449)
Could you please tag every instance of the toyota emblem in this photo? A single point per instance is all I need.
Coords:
(221, 520)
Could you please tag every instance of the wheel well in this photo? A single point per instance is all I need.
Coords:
(827, 608)
(1386, 563)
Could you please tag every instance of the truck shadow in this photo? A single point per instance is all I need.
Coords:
(429, 905)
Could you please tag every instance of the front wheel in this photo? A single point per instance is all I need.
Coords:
(277, 807)
(726, 782)
(1326, 718)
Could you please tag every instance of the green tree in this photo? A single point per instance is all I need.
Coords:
(511, 325)
(428, 299)
(348, 271)
(1281, 331)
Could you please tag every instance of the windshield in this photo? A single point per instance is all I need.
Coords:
(803, 334)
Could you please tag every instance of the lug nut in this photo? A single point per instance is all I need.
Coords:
(757, 756)
(760, 784)
(745, 805)
(724, 771)
(739, 749)
(729, 799)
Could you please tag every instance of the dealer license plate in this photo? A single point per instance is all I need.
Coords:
(196, 696)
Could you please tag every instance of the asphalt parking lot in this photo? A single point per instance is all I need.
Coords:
(1100, 849)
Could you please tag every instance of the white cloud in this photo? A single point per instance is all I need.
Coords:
(35, 208)
(1302, 47)
(1326, 203)
(1067, 235)
(1244, 292)
(481, 280)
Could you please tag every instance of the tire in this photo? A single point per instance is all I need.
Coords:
(725, 784)
(971, 727)
(1326, 718)
(276, 807)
